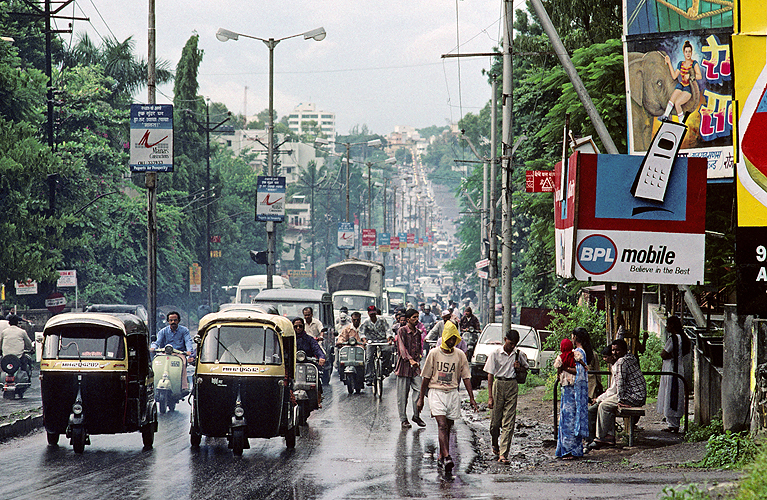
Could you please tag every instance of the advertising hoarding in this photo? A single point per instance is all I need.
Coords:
(151, 138)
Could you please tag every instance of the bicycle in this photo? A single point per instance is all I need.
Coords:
(378, 368)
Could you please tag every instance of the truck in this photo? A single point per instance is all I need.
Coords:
(356, 284)
(250, 286)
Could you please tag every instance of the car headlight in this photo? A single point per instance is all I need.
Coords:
(531, 363)
(77, 409)
(480, 358)
(239, 411)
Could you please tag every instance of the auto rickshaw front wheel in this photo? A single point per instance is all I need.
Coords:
(195, 438)
(238, 440)
(78, 439)
(53, 438)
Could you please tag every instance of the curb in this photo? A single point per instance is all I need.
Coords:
(20, 427)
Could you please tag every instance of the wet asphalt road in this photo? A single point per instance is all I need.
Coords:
(352, 448)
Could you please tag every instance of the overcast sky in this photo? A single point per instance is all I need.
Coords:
(379, 65)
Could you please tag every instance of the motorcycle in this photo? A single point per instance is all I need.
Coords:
(169, 368)
(306, 386)
(470, 335)
(18, 375)
(351, 365)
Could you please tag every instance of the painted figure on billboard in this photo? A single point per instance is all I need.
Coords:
(682, 93)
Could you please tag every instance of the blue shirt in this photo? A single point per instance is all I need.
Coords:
(181, 339)
(308, 344)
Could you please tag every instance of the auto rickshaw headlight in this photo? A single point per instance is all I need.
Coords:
(168, 349)
(239, 412)
(300, 356)
(77, 409)
(352, 341)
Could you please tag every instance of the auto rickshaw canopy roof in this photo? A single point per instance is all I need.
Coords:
(281, 325)
(128, 324)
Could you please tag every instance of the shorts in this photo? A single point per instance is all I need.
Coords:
(446, 403)
(684, 88)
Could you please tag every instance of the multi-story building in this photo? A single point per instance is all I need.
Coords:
(305, 113)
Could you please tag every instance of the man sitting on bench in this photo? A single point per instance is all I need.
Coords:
(631, 391)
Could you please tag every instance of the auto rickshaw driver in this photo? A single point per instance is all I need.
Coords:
(179, 337)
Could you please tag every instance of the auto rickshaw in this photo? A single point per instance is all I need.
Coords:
(96, 378)
(243, 378)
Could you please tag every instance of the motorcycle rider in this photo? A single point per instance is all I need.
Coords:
(427, 318)
(14, 340)
(351, 330)
(468, 320)
(179, 337)
(312, 326)
(310, 346)
(375, 329)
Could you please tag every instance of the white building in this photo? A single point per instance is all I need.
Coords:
(307, 112)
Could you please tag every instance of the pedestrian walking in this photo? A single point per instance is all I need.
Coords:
(408, 368)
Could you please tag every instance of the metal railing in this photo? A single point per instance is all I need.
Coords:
(686, 395)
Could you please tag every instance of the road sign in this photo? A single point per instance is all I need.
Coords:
(384, 242)
(28, 287)
(345, 235)
(56, 302)
(482, 263)
(270, 198)
(539, 181)
(151, 138)
(195, 278)
(482, 275)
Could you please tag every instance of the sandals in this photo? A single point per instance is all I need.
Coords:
(503, 460)
(496, 451)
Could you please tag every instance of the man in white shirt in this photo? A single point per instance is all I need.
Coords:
(501, 368)
(607, 357)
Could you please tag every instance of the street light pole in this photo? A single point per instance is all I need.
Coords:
(224, 35)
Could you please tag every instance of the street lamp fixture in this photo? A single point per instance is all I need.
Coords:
(224, 35)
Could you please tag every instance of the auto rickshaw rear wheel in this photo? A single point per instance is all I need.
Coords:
(195, 438)
(161, 401)
(147, 435)
(350, 384)
(53, 438)
(8, 394)
(238, 440)
(78, 439)
(171, 405)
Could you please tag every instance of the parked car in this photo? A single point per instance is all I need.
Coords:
(492, 337)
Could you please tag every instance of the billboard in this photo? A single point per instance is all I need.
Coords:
(384, 242)
(368, 240)
(620, 237)
(687, 74)
(749, 43)
(345, 235)
(270, 198)
(151, 138)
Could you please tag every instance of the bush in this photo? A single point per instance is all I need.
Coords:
(729, 450)
(696, 432)
(754, 486)
(689, 492)
(588, 317)
(650, 361)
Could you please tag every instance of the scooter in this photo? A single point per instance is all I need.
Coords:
(351, 365)
(169, 368)
(18, 374)
(470, 335)
(306, 386)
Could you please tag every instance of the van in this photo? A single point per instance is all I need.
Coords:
(250, 286)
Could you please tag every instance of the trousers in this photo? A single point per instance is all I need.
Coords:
(504, 414)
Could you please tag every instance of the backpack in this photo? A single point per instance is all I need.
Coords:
(521, 372)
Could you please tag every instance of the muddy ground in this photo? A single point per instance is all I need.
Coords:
(533, 445)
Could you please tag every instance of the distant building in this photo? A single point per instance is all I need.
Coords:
(306, 112)
(291, 157)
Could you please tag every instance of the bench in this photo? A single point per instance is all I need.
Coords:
(630, 416)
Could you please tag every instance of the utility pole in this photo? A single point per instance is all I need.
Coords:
(150, 180)
(506, 182)
(208, 129)
(491, 192)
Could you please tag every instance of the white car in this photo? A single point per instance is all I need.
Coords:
(491, 338)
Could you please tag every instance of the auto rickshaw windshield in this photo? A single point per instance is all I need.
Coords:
(242, 345)
(84, 343)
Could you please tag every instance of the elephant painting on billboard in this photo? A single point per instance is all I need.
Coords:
(650, 88)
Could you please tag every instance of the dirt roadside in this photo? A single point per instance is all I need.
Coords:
(533, 445)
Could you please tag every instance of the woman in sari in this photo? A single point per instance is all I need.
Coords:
(572, 371)
(671, 390)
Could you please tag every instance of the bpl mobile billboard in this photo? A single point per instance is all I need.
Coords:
(606, 233)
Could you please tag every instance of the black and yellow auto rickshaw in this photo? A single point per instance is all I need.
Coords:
(243, 378)
(96, 378)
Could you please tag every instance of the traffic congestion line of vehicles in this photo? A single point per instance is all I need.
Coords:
(250, 380)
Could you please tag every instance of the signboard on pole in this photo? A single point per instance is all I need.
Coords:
(539, 181)
(270, 198)
(300, 273)
(384, 242)
(195, 278)
(67, 278)
(56, 302)
(394, 242)
(410, 240)
(28, 287)
(151, 138)
(369, 240)
(345, 235)
(402, 240)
